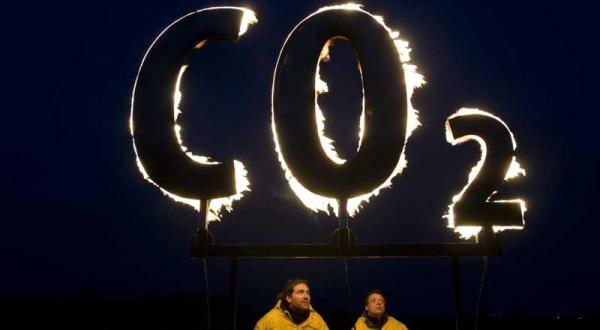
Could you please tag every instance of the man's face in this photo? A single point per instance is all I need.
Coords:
(375, 305)
(300, 298)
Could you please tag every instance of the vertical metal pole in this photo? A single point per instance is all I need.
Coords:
(233, 274)
(344, 229)
(343, 213)
(487, 240)
(203, 223)
(201, 238)
(203, 233)
(456, 281)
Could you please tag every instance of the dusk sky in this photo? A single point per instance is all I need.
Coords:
(78, 214)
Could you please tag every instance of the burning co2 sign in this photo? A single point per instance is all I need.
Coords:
(316, 174)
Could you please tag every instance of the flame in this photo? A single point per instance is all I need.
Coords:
(242, 184)
(321, 87)
(248, 19)
(466, 232)
(514, 171)
(346, 6)
(326, 142)
(523, 210)
(412, 80)
(241, 180)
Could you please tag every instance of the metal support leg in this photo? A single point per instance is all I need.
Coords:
(488, 241)
(456, 281)
(233, 274)
(345, 241)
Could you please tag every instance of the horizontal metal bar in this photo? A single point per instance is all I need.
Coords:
(352, 251)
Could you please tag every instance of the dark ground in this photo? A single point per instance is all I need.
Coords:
(87, 310)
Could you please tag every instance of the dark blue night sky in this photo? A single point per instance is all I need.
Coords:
(79, 216)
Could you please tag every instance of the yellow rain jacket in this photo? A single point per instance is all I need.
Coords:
(278, 319)
(391, 324)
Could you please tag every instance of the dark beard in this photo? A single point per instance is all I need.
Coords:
(297, 316)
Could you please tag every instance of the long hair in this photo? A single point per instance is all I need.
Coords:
(288, 288)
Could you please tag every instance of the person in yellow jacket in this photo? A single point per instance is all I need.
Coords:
(292, 310)
(374, 315)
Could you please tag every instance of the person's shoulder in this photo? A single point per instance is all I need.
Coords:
(315, 315)
(273, 313)
(316, 318)
(396, 324)
(266, 320)
(360, 323)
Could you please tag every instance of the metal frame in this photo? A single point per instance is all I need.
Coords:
(344, 246)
